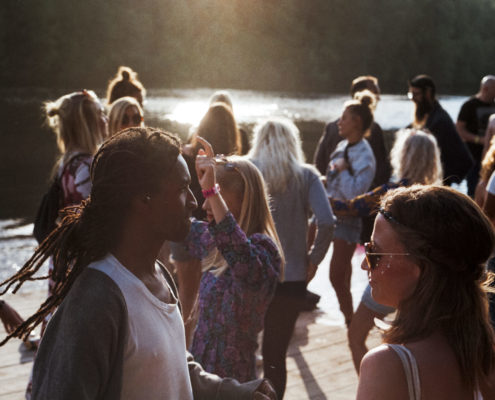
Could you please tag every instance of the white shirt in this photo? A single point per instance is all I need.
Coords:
(155, 365)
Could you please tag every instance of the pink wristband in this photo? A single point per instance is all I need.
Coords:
(211, 192)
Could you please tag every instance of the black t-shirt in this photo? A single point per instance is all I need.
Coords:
(475, 114)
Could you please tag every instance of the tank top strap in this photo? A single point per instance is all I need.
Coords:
(411, 370)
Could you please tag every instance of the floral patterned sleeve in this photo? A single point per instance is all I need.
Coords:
(199, 240)
(253, 260)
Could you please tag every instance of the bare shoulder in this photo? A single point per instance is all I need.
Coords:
(381, 375)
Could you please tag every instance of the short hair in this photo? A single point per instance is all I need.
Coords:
(219, 128)
(76, 120)
(117, 111)
(423, 82)
(415, 156)
(364, 82)
(450, 239)
(125, 83)
(277, 151)
(362, 106)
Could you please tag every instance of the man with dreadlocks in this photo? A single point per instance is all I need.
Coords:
(118, 333)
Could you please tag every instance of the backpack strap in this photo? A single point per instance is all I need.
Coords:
(69, 162)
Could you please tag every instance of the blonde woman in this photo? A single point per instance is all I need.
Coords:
(350, 172)
(241, 260)
(124, 113)
(296, 191)
(79, 122)
(415, 159)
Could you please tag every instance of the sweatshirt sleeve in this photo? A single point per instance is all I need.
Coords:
(81, 354)
(325, 220)
(254, 260)
(208, 386)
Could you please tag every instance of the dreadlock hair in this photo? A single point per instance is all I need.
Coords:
(129, 164)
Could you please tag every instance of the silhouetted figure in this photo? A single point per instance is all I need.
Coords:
(472, 123)
(429, 114)
(125, 83)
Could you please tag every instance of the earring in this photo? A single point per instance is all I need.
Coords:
(147, 197)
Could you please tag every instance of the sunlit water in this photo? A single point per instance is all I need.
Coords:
(187, 107)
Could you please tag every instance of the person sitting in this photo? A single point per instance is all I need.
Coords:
(427, 259)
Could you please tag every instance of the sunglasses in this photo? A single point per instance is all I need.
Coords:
(374, 258)
(136, 119)
(228, 165)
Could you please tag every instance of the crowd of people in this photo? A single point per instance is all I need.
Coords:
(170, 261)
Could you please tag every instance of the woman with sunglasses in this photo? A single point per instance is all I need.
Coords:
(350, 172)
(241, 261)
(124, 113)
(415, 159)
(427, 259)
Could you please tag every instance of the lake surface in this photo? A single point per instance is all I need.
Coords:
(28, 150)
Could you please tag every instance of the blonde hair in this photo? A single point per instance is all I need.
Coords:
(117, 111)
(76, 120)
(277, 152)
(362, 106)
(255, 217)
(416, 157)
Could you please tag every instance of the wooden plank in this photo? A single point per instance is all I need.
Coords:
(319, 362)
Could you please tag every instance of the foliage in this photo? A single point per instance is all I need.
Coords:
(288, 45)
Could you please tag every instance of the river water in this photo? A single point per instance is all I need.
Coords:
(28, 151)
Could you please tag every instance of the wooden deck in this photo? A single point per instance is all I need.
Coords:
(319, 362)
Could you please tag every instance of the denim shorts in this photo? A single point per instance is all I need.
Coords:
(368, 301)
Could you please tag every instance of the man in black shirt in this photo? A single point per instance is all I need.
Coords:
(429, 114)
(471, 125)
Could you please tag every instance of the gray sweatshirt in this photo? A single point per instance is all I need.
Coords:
(291, 210)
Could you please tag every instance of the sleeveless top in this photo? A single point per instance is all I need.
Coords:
(412, 375)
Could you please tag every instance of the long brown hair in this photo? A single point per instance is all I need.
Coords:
(130, 163)
(450, 239)
(219, 128)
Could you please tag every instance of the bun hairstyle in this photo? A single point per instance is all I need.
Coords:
(125, 83)
(125, 73)
(362, 106)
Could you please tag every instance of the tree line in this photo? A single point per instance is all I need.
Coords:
(282, 45)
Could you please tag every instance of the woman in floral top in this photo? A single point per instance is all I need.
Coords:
(241, 257)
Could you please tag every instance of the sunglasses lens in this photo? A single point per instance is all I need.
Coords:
(371, 259)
